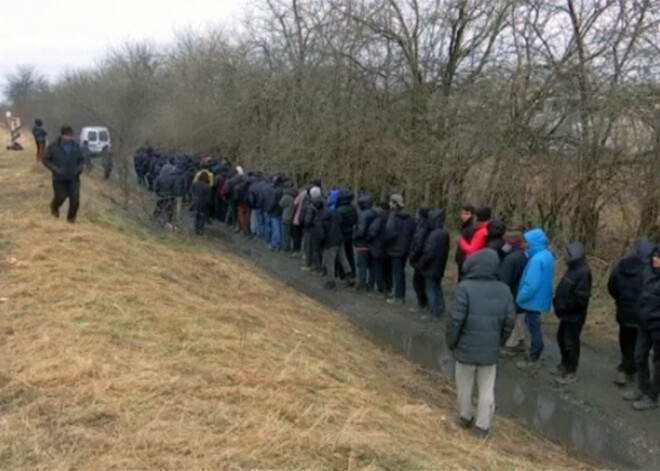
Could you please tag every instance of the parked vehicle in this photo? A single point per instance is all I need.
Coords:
(97, 137)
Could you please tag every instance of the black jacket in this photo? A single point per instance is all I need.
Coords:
(483, 313)
(332, 233)
(63, 165)
(435, 251)
(625, 283)
(314, 218)
(365, 218)
(166, 182)
(649, 298)
(348, 213)
(511, 271)
(376, 234)
(201, 196)
(419, 236)
(571, 300)
(495, 237)
(398, 233)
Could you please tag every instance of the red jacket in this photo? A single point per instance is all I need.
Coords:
(477, 243)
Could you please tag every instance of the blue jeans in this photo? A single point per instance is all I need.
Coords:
(255, 222)
(200, 222)
(275, 232)
(265, 226)
(533, 321)
(399, 272)
(365, 268)
(435, 296)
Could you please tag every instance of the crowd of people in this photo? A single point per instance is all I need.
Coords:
(505, 274)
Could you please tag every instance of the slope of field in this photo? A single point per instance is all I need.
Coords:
(125, 349)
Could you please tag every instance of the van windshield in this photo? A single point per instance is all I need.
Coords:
(91, 136)
(103, 136)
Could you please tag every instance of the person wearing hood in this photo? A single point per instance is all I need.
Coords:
(365, 266)
(481, 320)
(398, 236)
(510, 273)
(625, 286)
(467, 232)
(416, 248)
(65, 160)
(348, 217)
(377, 247)
(478, 240)
(571, 303)
(535, 291)
(648, 338)
(433, 262)
(165, 188)
(333, 247)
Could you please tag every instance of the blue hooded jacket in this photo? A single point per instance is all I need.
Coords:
(535, 290)
(333, 199)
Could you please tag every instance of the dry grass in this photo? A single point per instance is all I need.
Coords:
(122, 349)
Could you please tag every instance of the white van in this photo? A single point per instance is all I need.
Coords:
(97, 137)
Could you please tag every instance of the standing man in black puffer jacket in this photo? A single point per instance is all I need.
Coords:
(433, 262)
(348, 217)
(416, 249)
(648, 338)
(625, 286)
(398, 236)
(365, 265)
(481, 320)
(571, 303)
(65, 160)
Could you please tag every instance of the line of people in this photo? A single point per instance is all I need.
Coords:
(506, 275)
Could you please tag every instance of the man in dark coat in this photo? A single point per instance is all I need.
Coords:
(510, 273)
(333, 252)
(625, 285)
(571, 303)
(648, 338)
(416, 248)
(365, 266)
(313, 224)
(467, 231)
(39, 134)
(495, 232)
(349, 216)
(65, 160)
(398, 236)
(481, 320)
(382, 262)
(165, 188)
(433, 262)
(202, 200)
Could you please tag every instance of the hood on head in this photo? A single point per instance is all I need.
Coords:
(536, 240)
(315, 192)
(423, 213)
(436, 219)
(644, 249)
(483, 265)
(574, 252)
(366, 202)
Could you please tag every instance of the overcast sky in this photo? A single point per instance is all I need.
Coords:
(56, 35)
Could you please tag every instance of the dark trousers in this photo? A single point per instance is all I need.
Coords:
(435, 296)
(63, 189)
(568, 339)
(365, 269)
(383, 273)
(420, 289)
(460, 272)
(533, 321)
(647, 341)
(286, 236)
(399, 273)
(200, 222)
(296, 236)
(350, 254)
(41, 151)
(627, 342)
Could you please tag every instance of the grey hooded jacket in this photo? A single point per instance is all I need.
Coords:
(483, 314)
